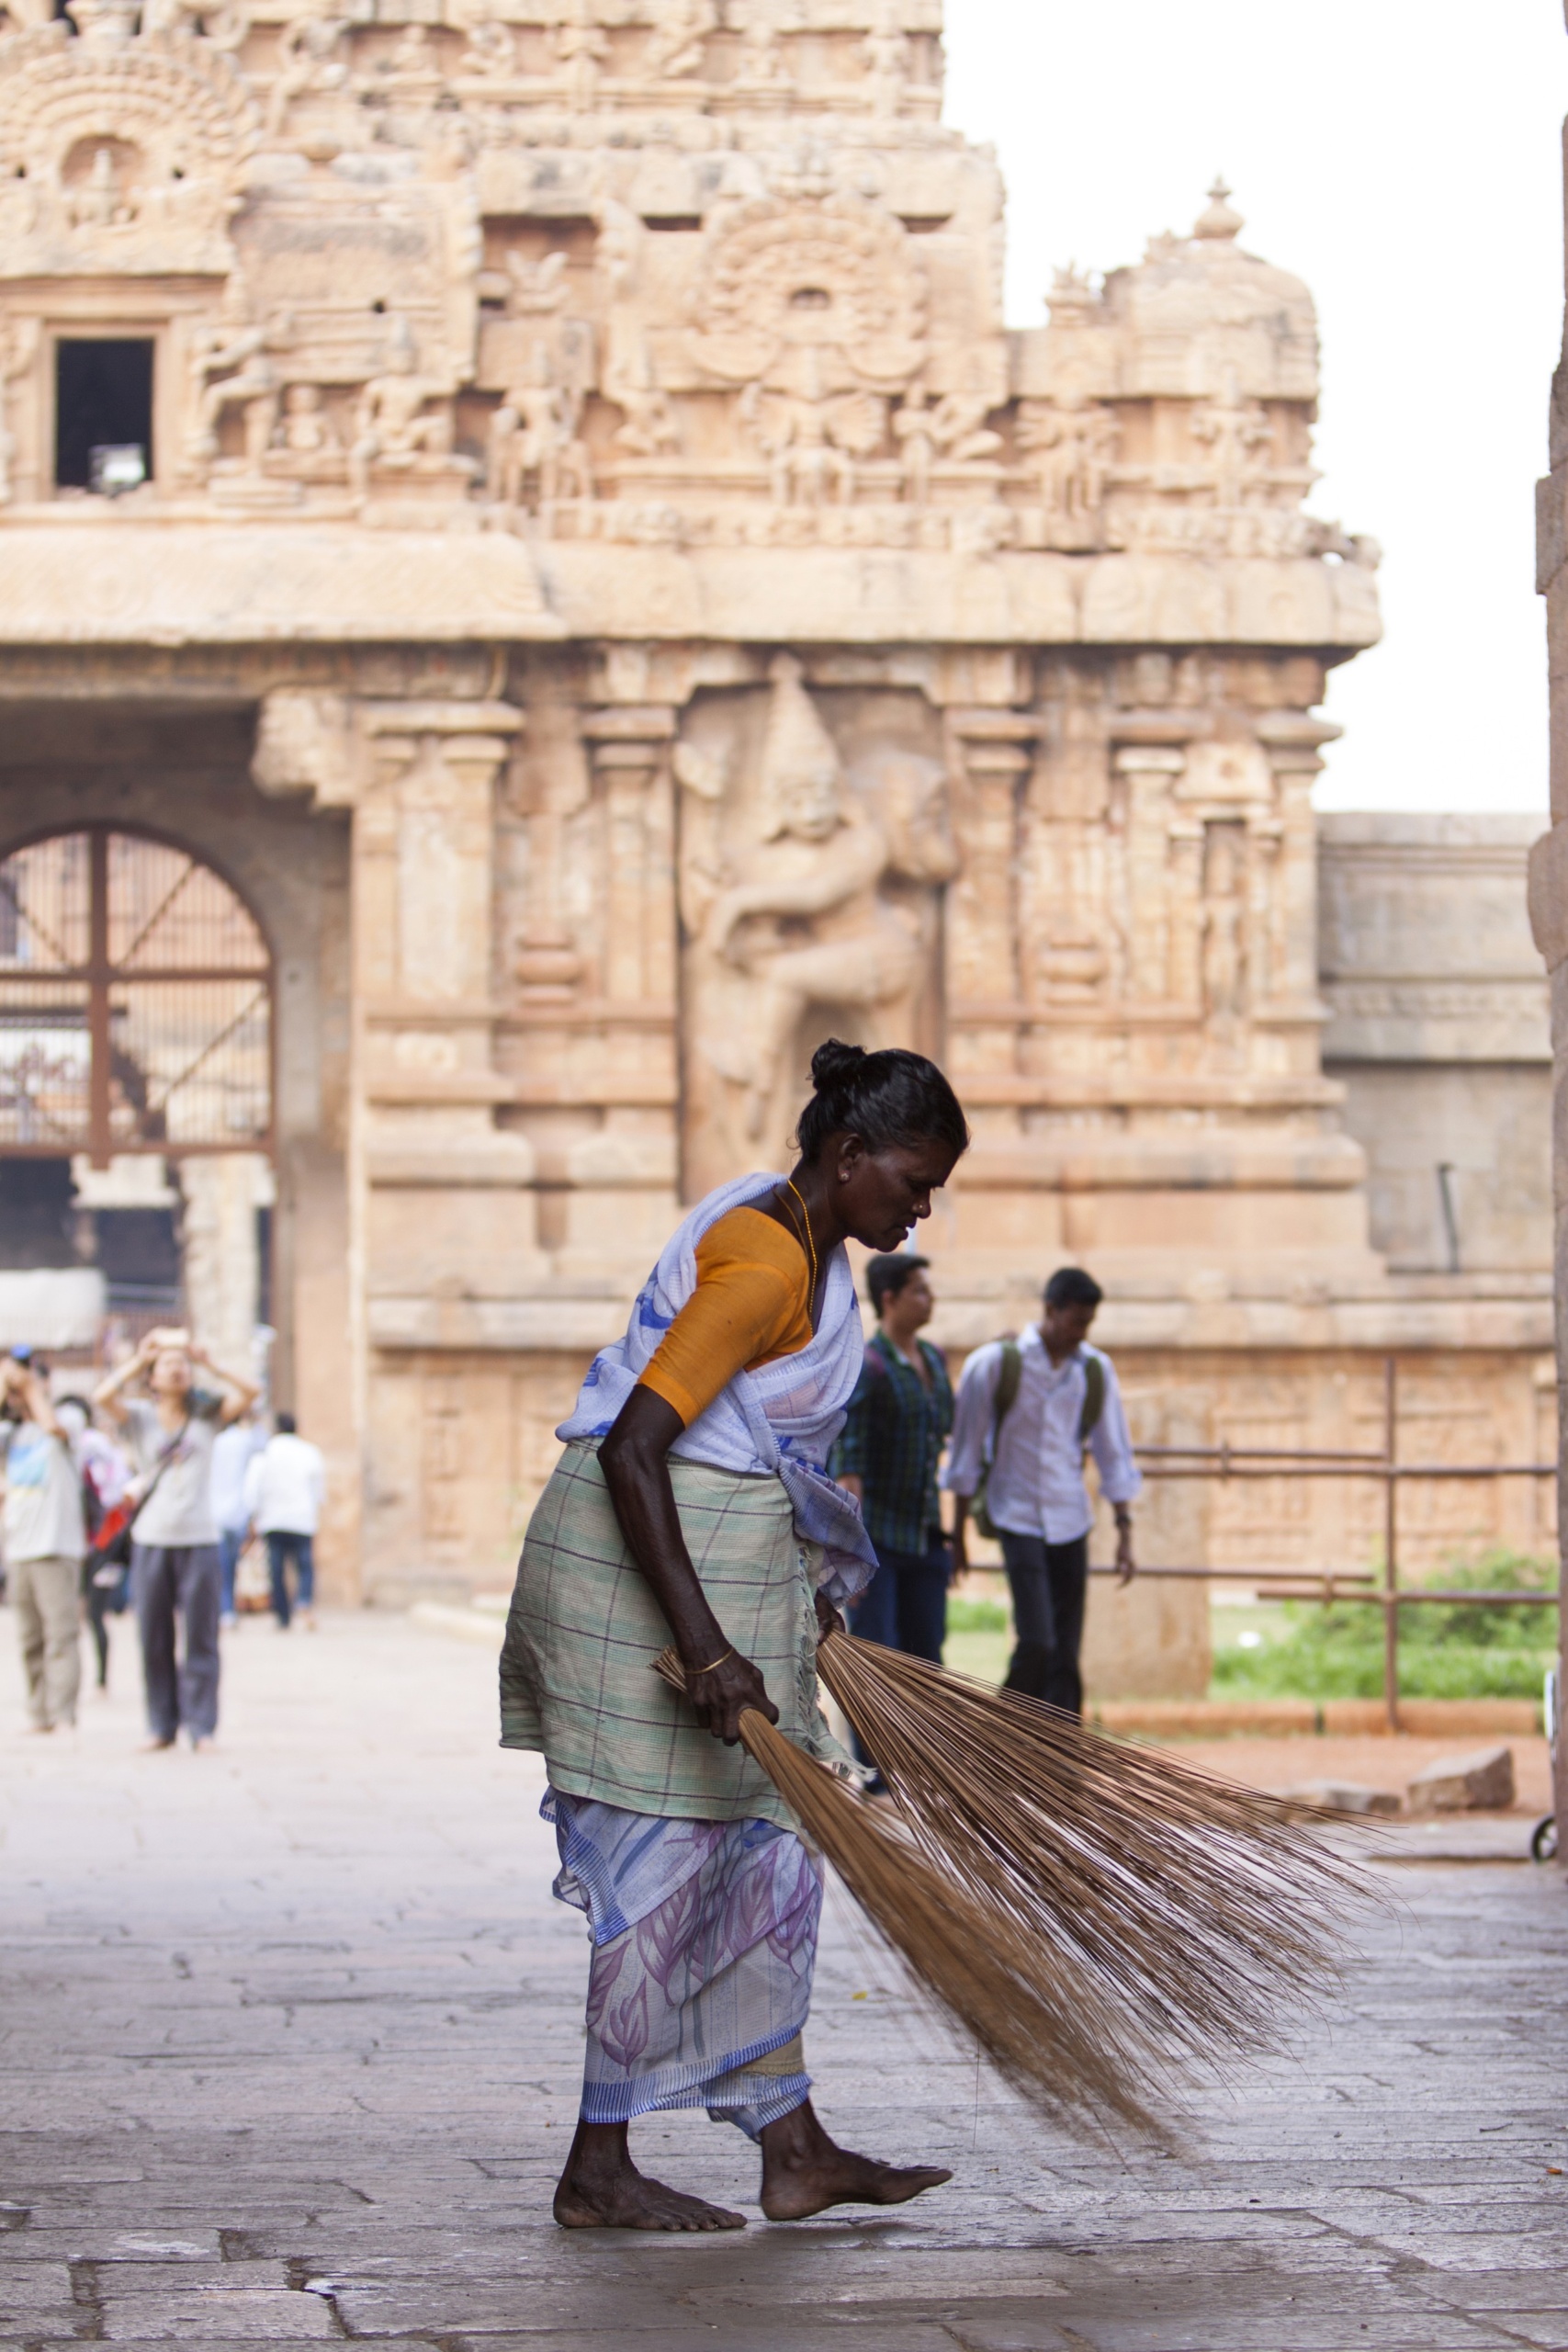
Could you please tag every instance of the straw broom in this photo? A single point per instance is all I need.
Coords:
(1104, 1920)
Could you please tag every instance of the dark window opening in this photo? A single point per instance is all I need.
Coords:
(103, 405)
(138, 1252)
(670, 221)
(38, 1213)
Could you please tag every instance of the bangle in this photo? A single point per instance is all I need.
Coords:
(713, 1662)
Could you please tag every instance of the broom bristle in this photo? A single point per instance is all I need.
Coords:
(1194, 1907)
(1039, 2028)
(1102, 1919)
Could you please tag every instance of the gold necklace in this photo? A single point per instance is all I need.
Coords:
(810, 1245)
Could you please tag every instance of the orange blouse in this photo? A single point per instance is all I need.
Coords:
(751, 1305)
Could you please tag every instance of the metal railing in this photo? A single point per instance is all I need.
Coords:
(1225, 1461)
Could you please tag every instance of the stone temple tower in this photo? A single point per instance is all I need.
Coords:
(536, 503)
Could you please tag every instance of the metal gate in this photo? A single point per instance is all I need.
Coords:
(135, 1002)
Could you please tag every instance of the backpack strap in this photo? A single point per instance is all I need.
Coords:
(1093, 1398)
(1009, 1375)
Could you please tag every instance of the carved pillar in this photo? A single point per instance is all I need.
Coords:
(1292, 741)
(990, 758)
(423, 909)
(631, 761)
(1150, 770)
(1185, 967)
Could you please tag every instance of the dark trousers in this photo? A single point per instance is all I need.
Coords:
(904, 1608)
(905, 1605)
(231, 1543)
(1049, 1584)
(283, 1545)
(168, 1580)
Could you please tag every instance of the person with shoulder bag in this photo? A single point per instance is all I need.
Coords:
(1027, 1412)
(175, 1569)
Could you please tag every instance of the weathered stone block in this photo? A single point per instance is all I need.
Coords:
(1482, 1781)
(1345, 1796)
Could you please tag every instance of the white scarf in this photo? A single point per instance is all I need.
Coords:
(782, 1417)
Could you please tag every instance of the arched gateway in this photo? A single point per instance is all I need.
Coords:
(136, 1093)
(135, 1002)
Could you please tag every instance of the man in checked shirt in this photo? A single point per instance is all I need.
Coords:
(1026, 1413)
(887, 1456)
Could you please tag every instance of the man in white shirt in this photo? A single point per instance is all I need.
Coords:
(1030, 1450)
(46, 1537)
(283, 1490)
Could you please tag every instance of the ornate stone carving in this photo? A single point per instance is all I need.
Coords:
(231, 366)
(311, 59)
(535, 453)
(629, 379)
(402, 426)
(811, 296)
(18, 349)
(811, 445)
(802, 887)
(953, 428)
(1237, 433)
(677, 43)
(119, 155)
(1072, 441)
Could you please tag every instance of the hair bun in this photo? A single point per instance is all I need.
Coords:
(834, 1063)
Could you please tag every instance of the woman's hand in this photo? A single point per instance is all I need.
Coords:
(829, 1619)
(719, 1695)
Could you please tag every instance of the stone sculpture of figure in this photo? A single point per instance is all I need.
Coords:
(1073, 441)
(101, 201)
(886, 62)
(761, 58)
(18, 349)
(306, 444)
(825, 849)
(1238, 433)
(224, 23)
(811, 445)
(627, 378)
(402, 415)
(414, 65)
(581, 47)
(675, 46)
(310, 58)
(533, 441)
(953, 428)
(492, 50)
(236, 352)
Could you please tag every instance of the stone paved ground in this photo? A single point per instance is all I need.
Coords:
(289, 2040)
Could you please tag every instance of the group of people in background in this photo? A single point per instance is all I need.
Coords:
(1026, 1413)
(196, 1476)
(145, 1495)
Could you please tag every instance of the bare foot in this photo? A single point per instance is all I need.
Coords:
(804, 2172)
(152, 1747)
(602, 2189)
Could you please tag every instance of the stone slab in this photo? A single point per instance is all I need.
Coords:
(1479, 1781)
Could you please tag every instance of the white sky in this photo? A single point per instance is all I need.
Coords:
(1402, 156)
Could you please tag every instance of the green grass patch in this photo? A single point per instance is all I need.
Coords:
(1445, 1651)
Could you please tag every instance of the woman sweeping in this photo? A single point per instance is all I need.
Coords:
(691, 1504)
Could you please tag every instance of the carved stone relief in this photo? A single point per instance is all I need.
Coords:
(809, 892)
(119, 155)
